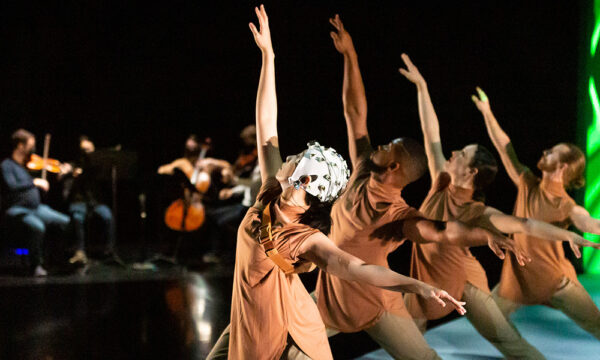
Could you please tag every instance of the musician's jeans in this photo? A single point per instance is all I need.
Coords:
(32, 226)
(101, 220)
(224, 222)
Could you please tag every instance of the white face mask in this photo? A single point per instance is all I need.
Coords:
(327, 170)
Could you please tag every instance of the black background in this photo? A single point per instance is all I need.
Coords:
(145, 74)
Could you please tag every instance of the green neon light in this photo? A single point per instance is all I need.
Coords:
(595, 37)
(592, 143)
(591, 258)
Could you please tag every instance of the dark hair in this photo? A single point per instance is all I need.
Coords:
(487, 168)
(318, 215)
(21, 136)
(192, 152)
(575, 159)
(84, 138)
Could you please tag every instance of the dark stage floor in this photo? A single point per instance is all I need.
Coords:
(171, 312)
(114, 313)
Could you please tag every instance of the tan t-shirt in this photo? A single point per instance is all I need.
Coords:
(536, 282)
(367, 223)
(446, 266)
(266, 304)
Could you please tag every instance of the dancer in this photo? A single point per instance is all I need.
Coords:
(551, 278)
(452, 196)
(270, 308)
(371, 219)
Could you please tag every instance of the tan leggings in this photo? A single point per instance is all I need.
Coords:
(489, 321)
(397, 335)
(571, 298)
(220, 350)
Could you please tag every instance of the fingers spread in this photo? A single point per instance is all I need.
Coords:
(407, 61)
(457, 304)
(253, 29)
(482, 95)
(332, 22)
(496, 249)
(339, 21)
(439, 301)
(575, 249)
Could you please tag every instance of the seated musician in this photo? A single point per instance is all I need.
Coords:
(24, 214)
(84, 203)
(219, 171)
(235, 200)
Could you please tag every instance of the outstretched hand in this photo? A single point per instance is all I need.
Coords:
(482, 102)
(341, 39)
(578, 241)
(443, 298)
(411, 72)
(262, 36)
(498, 242)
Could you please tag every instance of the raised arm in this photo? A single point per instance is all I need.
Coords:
(269, 158)
(501, 141)
(421, 230)
(328, 257)
(429, 120)
(509, 224)
(353, 94)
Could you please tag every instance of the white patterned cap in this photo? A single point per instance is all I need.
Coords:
(327, 169)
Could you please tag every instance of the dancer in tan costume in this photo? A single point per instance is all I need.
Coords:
(451, 197)
(550, 279)
(271, 310)
(370, 220)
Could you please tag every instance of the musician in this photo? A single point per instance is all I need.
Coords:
(245, 185)
(82, 194)
(24, 214)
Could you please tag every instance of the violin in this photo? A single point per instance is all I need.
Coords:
(44, 163)
(244, 160)
(37, 163)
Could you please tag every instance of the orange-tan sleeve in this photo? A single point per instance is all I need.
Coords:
(296, 235)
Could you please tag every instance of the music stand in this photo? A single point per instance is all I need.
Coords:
(112, 165)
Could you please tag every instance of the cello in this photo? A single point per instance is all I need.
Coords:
(187, 213)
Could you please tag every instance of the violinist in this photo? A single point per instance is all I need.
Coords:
(82, 194)
(24, 214)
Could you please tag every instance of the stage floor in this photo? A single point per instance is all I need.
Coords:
(172, 312)
(555, 335)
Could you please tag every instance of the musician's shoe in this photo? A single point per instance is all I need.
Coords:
(79, 258)
(39, 271)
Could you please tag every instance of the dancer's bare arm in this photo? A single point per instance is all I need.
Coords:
(429, 121)
(269, 158)
(583, 221)
(422, 230)
(353, 93)
(328, 257)
(501, 141)
(509, 224)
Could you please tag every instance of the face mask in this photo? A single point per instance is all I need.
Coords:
(327, 170)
